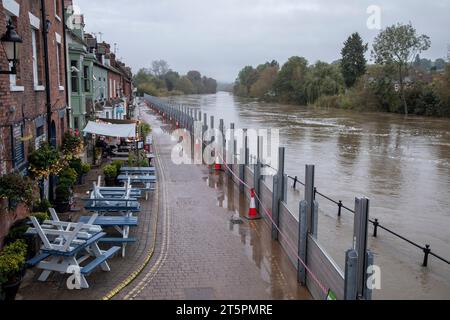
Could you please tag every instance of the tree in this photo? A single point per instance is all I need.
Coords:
(353, 63)
(246, 78)
(399, 44)
(290, 83)
(185, 85)
(159, 68)
(263, 86)
(170, 79)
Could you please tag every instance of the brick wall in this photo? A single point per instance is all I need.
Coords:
(25, 105)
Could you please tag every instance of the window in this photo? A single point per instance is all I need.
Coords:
(18, 151)
(58, 14)
(87, 82)
(37, 62)
(74, 76)
(110, 88)
(59, 62)
(115, 92)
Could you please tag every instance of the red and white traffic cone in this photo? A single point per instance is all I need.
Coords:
(217, 165)
(252, 212)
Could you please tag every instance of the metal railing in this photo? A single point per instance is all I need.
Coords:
(375, 222)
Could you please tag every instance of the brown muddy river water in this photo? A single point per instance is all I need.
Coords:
(401, 164)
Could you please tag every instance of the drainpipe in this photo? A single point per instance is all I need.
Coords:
(48, 103)
(66, 64)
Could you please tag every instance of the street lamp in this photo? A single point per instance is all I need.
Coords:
(11, 45)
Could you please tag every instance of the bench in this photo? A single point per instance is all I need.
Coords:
(35, 261)
(113, 221)
(118, 240)
(73, 252)
(98, 261)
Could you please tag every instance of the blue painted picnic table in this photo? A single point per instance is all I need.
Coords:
(138, 170)
(112, 221)
(121, 224)
(112, 205)
(137, 178)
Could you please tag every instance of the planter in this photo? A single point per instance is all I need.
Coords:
(110, 181)
(10, 290)
(62, 207)
(81, 179)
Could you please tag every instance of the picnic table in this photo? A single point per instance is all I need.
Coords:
(120, 224)
(138, 170)
(66, 247)
(105, 205)
(145, 179)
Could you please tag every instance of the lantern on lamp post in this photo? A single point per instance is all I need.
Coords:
(10, 42)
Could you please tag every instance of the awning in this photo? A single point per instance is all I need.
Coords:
(111, 130)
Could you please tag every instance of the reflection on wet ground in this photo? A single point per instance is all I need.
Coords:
(274, 265)
(401, 164)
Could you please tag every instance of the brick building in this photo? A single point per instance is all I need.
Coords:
(33, 102)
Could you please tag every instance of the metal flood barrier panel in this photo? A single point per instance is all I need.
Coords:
(325, 269)
(266, 198)
(289, 227)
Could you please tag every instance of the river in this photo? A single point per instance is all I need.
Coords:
(402, 164)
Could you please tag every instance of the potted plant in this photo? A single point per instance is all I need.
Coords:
(63, 199)
(110, 172)
(72, 145)
(68, 176)
(17, 189)
(85, 168)
(12, 268)
(45, 161)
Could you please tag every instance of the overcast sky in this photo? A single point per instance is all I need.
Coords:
(218, 38)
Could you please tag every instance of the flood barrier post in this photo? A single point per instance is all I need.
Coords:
(222, 132)
(275, 206)
(242, 157)
(351, 275)
(312, 208)
(302, 238)
(257, 172)
(205, 128)
(230, 150)
(360, 231)
(278, 192)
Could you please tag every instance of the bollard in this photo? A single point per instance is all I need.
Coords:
(427, 252)
(302, 238)
(375, 228)
(351, 275)
(295, 182)
(340, 208)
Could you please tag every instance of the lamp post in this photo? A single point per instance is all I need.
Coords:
(11, 45)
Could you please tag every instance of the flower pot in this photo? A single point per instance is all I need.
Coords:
(110, 181)
(81, 179)
(62, 207)
(10, 289)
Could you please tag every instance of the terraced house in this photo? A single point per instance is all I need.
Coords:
(33, 95)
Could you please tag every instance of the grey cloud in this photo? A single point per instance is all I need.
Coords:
(219, 37)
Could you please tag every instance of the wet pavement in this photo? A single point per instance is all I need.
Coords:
(200, 253)
(101, 283)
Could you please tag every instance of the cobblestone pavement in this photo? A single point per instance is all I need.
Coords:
(200, 254)
(100, 282)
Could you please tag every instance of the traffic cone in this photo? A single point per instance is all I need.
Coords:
(252, 213)
(217, 165)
